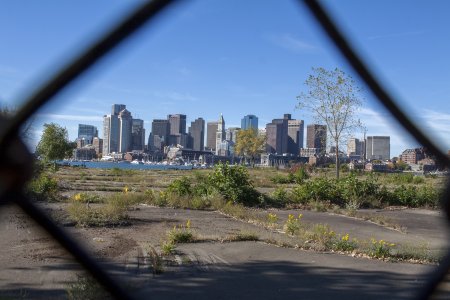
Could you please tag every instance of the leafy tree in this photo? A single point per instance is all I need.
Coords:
(249, 144)
(332, 98)
(54, 143)
(234, 184)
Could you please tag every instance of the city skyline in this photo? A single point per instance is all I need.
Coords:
(169, 69)
(283, 136)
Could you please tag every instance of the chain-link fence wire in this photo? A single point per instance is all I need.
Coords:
(15, 169)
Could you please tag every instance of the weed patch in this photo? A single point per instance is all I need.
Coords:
(86, 287)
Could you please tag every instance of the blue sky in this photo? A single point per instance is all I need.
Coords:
(203, 58)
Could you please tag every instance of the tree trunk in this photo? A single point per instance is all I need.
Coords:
(337, 161)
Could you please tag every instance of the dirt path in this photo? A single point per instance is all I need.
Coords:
(33, 266)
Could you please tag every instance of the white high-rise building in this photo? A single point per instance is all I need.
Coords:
(220, 134)
(110, 134)
(378, 147)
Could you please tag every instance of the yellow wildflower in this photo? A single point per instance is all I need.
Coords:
(77, 197)
(345, 238)
(125, 189)
(188, 224)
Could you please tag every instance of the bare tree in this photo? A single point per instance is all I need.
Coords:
(333, 99)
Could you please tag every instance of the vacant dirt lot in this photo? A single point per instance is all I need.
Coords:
(34, 266)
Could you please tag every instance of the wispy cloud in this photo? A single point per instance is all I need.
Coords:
(396, 35)
(89, 110)
(292, 43)
(80, 118)
(438, 124)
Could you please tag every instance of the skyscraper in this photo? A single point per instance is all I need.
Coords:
(249, 121)
(295, 136)
(137, 135)
(277, 136)
(211, 130)
(117, 108)
(177, 123)
(97, 143)
(355, 147)
(316, 136)
(87, 133)
(220, 134)
(110, 134)
(197, 135)
(274, 133)
(160, 131)
(125, 127)
(378, 147)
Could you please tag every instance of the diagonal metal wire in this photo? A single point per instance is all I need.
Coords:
(374, 85)
(81, 255)
(342, 44)
(44, 94)
(121, 32)
(81, 63)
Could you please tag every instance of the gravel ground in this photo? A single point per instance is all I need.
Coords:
(35, 267)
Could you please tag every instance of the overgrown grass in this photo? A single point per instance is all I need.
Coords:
(86, 288)
(112, 212)
(242, 236)
(155, 259)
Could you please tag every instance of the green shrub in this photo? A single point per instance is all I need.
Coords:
(234, 184)
(180, 187)
(180, 235)
(323, 236)
(300, 194)
(428, 196)
(43, 188)
(418, 180)
(345, 244)
(301, 175)
(280, 179)
(87, 198)
(380, 249)
(167, 247)
(323, 189)
(356, 193)
(279, 196)
(292, 225)
(200, 202)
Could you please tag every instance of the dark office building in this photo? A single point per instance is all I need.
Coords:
(160, 131)
(274, 133)
(295, 136)
(316, 136)
(197, 135)
(117, 108)
(282, 134)
(211, 130)
(137, 135)
(177, 124)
